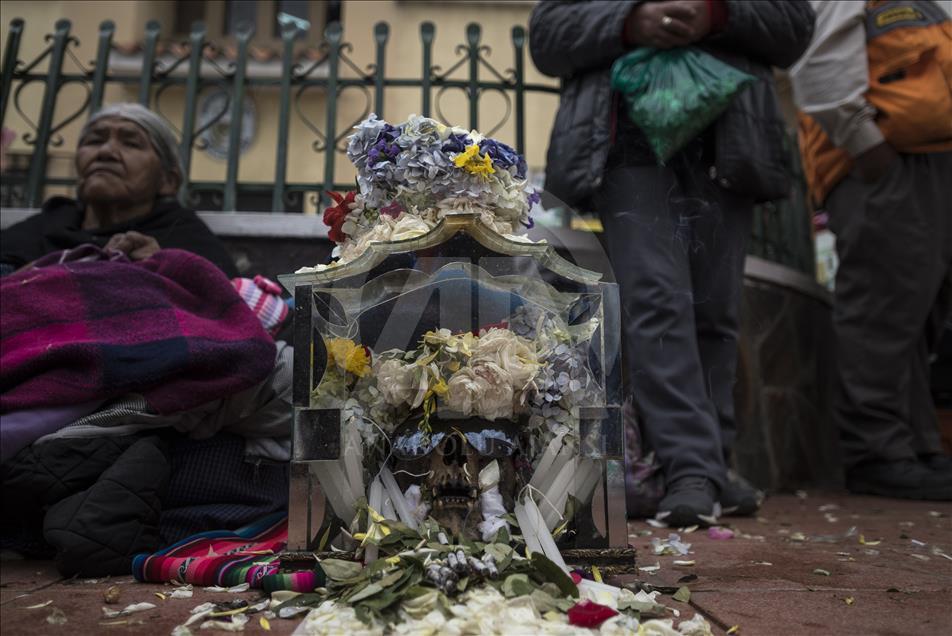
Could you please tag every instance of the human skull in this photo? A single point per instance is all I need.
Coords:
(446, 464)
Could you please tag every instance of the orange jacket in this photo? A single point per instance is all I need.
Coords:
(909, 54)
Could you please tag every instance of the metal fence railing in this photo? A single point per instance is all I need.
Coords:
(781, 235)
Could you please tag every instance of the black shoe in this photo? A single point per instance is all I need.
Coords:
(937, 461)
(689, 501)
(739, 498)
(905, 479)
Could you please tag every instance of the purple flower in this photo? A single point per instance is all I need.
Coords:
(389, 133)
(383, 151)
(504, 156)
(455, 143)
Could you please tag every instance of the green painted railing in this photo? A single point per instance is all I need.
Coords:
(782, 235)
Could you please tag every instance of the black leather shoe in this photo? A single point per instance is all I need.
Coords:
(689, 501)
(905, 479)
(739, 498)
(937, 461)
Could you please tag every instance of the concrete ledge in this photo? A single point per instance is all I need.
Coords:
(232, 224)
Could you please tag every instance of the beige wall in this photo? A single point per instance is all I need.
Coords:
(404, 59)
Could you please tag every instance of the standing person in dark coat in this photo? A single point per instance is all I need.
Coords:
(677, 233)
(129, 173)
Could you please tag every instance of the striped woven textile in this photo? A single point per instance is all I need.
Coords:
(228, 558)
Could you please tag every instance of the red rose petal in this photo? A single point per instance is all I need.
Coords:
(589, 614)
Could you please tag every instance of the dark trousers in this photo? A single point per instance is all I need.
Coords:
(892, 296)
(677, 244)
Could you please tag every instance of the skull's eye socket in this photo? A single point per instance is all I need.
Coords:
(411, 443)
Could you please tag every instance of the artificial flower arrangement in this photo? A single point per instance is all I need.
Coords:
(411, 175)
(530, 367)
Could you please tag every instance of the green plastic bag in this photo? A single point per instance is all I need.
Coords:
(674, 94)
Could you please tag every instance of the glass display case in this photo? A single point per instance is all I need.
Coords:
(464, 376)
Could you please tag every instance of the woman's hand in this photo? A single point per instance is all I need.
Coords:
(135, 245)
(665, 25)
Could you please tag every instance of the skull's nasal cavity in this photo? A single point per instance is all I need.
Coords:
(454, 451)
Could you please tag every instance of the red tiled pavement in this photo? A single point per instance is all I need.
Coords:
(893, 591)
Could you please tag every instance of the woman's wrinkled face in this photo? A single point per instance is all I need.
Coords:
(117, 164)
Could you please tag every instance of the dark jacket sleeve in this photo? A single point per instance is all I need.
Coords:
(22, 242)
(775, 32)
(566, 36)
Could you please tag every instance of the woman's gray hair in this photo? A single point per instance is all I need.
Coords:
(160, 134)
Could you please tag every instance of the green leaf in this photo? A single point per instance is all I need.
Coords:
(554, 574)
(502, 536)
(381, 601)
(501, 554)
(366, 592)
(683, 594)
(339, 570)
(463, 582)
(365, 614)
(543, 601)
(468, 543)
(392, 578)
(302, 600)
(517, 585)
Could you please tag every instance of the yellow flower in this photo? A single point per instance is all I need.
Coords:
(440, 387)
(348, 356)
(472, 161)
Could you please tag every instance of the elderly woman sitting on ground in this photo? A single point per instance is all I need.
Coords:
(129, 173)
(141, 399)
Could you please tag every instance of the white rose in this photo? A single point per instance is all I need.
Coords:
(496, 401)
(514, 354)
(465, 390)
(395, 382)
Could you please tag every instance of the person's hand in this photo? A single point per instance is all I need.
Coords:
(135, 245)
(872, 165)
(665, 25)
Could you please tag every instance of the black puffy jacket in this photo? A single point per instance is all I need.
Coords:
(578, 40)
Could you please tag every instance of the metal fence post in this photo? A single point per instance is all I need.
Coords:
(245, 32)
(152, 28)
(473, 32)
(332, 34)
(381, 35)
(37, 175)
(288, 35)
(10, 54)
(106, 30)
(427, 34)
(197, 42)
(518, 44)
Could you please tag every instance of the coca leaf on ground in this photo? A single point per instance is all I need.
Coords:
(301, 600)
(365, 592)
(517, 585)
(683, 595)
(340, 570)
(554, 574)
